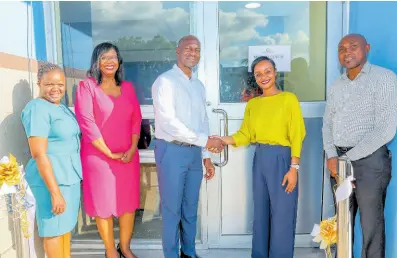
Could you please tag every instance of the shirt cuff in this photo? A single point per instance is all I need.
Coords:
(354, 155)
(296, 152)
(331, 153)
(237, 141)
(202, 140)
(205, 154)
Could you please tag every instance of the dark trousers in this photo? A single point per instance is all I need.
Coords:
(372, 175)
(274, 209)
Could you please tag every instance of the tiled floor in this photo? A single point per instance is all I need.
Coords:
(216, 253)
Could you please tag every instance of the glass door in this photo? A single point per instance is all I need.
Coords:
(296, 35)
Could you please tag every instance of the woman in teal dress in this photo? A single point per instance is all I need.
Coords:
(54, 171)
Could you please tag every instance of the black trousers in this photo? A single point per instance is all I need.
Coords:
(372, 174)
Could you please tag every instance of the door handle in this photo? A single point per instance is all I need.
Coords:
(226, 133)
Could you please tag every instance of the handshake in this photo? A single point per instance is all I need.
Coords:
(215, 144)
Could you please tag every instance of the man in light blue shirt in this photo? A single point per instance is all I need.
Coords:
(182, 133)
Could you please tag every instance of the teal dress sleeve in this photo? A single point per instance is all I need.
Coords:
(36, 120)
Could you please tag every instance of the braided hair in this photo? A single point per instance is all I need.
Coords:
(46, 68)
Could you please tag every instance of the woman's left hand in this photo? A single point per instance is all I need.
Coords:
(127, 157)
(292, 178)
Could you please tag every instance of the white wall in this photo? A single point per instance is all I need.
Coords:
(16, 89)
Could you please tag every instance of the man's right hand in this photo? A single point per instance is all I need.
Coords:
(214, 145)
(331, 165)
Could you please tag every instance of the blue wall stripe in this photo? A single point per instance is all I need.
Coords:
(381, 33)
(39, 31)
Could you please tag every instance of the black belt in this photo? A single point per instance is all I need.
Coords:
(343, 149)
(184, 144)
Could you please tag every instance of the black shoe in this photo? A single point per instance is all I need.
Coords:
(187, 256)
(120, 252)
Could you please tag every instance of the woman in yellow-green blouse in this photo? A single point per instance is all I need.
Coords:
(274, 122)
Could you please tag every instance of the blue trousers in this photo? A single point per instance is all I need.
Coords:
(180, 173)
(274, 210)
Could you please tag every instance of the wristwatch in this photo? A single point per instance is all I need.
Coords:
(296, 166)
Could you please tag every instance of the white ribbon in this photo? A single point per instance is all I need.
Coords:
(6, 189)
(344, 190)
(4, 160)
(317, 237)
(316, 230)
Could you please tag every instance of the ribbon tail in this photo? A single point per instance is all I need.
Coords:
(315, 231)
(6, 189)
(344, 190)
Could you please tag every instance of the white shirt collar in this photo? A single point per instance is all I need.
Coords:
(180, 72)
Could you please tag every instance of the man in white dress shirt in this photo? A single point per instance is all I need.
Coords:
(182, 140)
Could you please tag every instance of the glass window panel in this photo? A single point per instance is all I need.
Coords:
(300, 25)
(145, 32)
(146, 139)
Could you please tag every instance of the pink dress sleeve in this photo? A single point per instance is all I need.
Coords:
(137, 115)
(84, 109)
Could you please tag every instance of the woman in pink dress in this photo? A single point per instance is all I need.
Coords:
(109, 116)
